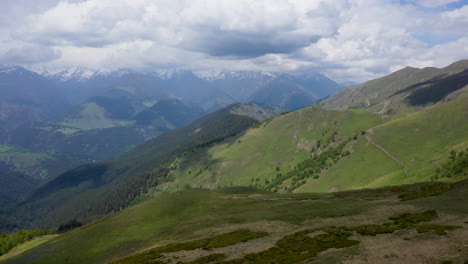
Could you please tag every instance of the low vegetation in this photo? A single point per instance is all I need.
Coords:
(7, 242)
(299, 246)
(437, 229)
(457, 164)
(207, 244)
(309, 168)
(294, 248)
(299, 226)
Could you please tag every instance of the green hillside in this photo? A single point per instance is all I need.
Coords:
(271, 148)
(405, 150)
(242, 225)
(102, 188)
(374, 151)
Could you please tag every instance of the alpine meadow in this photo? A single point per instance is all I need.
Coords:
(234, 132)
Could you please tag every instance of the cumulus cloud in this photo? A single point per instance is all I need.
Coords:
(346, 39)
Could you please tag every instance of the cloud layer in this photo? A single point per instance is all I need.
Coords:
(349, 40)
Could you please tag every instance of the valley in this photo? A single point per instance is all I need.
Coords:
(363, 176)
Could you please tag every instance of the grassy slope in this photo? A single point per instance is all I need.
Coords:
(282, 142)
(20, 249)
(366, 164)
(418, 142)
(199, 214)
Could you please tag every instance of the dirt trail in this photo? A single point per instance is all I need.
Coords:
(385, 151)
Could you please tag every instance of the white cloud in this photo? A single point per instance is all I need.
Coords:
(346, 39)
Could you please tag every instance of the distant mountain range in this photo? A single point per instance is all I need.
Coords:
(78, 115)
(212, 90)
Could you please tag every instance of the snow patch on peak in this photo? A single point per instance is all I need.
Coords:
(78, 73)
(116, 73)
(65, 74)
(214, 75)
(166, 74)
(210, 75)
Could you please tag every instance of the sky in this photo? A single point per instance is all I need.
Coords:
(347, 40)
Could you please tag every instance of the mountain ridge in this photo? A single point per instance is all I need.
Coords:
(387, 95)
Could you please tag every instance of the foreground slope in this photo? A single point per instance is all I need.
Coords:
(424, 223)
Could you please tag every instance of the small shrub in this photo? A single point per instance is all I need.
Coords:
(437, 229)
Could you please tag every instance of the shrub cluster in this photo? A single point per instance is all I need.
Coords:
(10, 241)
(456, 165)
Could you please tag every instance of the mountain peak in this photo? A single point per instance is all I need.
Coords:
(15, 71)
(215, 75)
(174, 73)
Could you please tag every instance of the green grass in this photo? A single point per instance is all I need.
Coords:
(356, 171)
(176, 217)
(219, 241)
(26, 246)
(299, 247)
(282, 142)
(424, 139)
(296, 247)
(437, 229)
(197, 219)
(400, 151)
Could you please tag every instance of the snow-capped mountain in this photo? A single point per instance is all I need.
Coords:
(78, 73)
(239, 75)
(212, 89)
